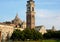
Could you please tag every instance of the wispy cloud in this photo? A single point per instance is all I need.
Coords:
(45, 13)
(48, 17)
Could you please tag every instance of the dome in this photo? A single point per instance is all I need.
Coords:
(17, 20)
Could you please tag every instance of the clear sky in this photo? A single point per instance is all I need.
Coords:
(47, 11)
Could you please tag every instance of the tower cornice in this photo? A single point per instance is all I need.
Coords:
(30, 0)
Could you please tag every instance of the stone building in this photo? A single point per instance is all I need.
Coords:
(23, 25)
(8, 27)
(30, 14)
(18, 22)
(5, 30)
(41, 29)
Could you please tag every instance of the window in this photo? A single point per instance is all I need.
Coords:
(32, 8)
(32, 16)
(28, 9)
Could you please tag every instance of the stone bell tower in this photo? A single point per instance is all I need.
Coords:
(30, 14)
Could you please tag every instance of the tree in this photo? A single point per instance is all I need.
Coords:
(27, 34)
(16, 35)
(52, 34)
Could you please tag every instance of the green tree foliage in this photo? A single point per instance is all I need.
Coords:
(27, 34)
(16, 35)
(52, 35)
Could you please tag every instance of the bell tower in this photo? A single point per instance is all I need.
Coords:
(30, 14)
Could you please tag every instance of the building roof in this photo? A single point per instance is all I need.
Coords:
(17, 20)
(39, 26)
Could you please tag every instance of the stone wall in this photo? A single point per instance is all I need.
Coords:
(6, 31)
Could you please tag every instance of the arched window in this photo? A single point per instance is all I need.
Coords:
(28, 9)
(32, 8)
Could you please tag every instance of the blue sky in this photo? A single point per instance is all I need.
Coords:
(47, 11)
